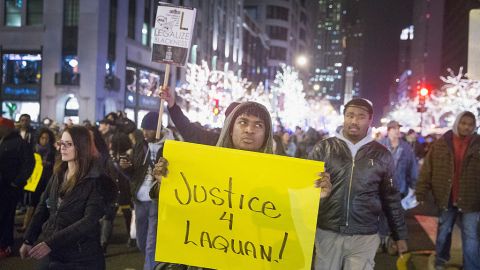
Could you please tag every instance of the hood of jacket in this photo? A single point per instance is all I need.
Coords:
(457, 121)
(225, 139)
(354, 147)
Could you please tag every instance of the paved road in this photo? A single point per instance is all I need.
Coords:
(421, 222)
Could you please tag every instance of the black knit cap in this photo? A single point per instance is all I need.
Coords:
(150, 121)
(361, 103)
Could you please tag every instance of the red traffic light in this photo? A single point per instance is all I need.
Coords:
(424, 92)
(216, 108)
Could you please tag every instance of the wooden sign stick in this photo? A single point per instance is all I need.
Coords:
(160, 111)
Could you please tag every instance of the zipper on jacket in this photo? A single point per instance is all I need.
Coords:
(350, 191)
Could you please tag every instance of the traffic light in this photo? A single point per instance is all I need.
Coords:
(216, 108)
(424, 92)
(422, 96)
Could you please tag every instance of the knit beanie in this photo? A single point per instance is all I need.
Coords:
(150, 121)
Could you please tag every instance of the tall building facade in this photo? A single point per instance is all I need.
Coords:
(330, 51)
(288, 26)
(256, 46)
(354, 42)
(402, 87)
(84, 58)
(72, 59)
(426, 49)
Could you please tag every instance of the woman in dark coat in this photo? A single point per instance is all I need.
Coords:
(71, 208)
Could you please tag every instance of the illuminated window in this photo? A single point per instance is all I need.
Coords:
(18, 69)
(13, 12)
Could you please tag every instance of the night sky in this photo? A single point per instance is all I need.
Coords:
(384, 20)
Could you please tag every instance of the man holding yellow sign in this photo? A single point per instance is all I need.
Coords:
(228, 209)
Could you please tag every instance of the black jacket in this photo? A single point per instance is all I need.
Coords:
(189, 131)
(16, 161)
(71, 228)
(362, 188)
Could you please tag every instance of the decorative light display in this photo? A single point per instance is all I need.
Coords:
(207, 93)
(456, 95)
(288, 96)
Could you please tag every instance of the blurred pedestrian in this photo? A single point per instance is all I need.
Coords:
(451, 172)
(404, 178)
(46, 149)
(16, 166)
(140, 168)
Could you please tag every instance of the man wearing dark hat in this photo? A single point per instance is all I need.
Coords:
(145, 155)
(418, 147)
(361, 172)
(406, 168)
(190, 131)
(16, 165)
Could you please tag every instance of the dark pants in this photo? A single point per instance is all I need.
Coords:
(107, 223)
(8, 202)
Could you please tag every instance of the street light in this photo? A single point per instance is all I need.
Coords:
(301, 61)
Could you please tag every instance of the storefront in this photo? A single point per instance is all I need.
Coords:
(142, 91)
(21, 84)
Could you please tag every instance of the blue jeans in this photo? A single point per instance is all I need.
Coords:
(469, 223)
(146, 217)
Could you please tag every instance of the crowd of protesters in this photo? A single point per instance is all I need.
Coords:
(92, 172)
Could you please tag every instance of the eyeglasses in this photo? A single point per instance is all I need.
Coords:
(64, 144)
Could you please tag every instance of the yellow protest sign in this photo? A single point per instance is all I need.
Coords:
(230, 209)
(34, 179)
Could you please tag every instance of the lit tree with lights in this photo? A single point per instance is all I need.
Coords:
(208, 93)
(323, 116)
(260, 95)
(288, 97)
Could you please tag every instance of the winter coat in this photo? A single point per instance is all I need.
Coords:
(437, 174)
(122, 181)
(406, 168)
(16, 161)
(71, 227)
(190, 131)
(141, 160)
(362, 187)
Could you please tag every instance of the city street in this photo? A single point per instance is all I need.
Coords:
(121, 257)
(265, 123)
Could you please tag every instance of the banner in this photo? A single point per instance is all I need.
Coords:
(172, 34)
(34, 179)
(222, 208)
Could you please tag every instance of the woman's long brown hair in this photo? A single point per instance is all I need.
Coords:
(83, 145)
